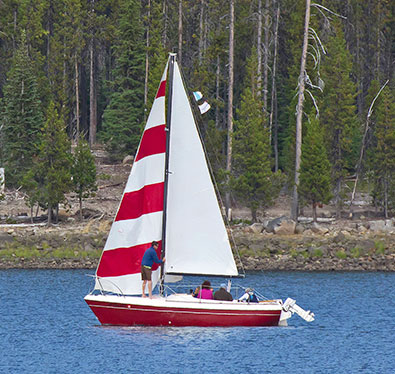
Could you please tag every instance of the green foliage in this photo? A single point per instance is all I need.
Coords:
(22, 116)
(83, 172)
(338, 108)
(315, 178)
(382, 152)
(356, 252)
(380, 247)
(317, 253)
(341, 254)
(50, 178)
(123, 117)
(16, 252)
(253, 181)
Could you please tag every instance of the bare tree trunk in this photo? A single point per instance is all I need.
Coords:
(15, 33)
(314, 212)
(77, 98)
(147, 60)
(217, 84)
(299, 114)
(201, 32)
(80, 201)
(259, 48)
(166, 23)
(275, 139)
(274, 72)
(92, 97)
(266, 57)
(361, 153)
(49, 215)
(230, 104)
(386, 197)
(180, 31)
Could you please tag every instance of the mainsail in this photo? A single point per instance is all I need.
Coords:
(196, 238)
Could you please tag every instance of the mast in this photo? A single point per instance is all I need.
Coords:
(168, 124)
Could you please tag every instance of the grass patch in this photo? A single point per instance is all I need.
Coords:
(341, 254)
(59, 253)
(356, 252)
(104, 177)
(293, 253)
(380, 247)
(317, 253)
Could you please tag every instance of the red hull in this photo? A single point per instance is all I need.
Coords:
(128, 315)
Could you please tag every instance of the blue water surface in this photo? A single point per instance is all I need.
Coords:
(46, 327)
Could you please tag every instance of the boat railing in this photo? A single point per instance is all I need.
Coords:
(236, 290)
(101, 289)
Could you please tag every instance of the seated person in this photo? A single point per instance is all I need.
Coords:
(223, 294)
(249, 296)
(196, 292)
(205, 291)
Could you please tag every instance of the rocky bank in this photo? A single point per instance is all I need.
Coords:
(362, 240)
(326, 246)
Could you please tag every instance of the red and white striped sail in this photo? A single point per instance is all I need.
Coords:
(139, 218)
(196, 237)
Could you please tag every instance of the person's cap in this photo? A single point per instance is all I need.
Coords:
(249, 289)
(154, 243)
(223, 285)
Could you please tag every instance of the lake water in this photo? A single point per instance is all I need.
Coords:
(46, 327)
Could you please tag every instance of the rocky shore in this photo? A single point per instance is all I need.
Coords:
(326, 246)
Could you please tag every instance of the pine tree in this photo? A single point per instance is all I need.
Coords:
(384, 152)
(338, 114)
(22, 116)
(50, 174)
(83, 172)
(123, 117)
(253, 182)
(315, 176)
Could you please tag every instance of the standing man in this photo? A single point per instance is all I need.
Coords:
(148, 260)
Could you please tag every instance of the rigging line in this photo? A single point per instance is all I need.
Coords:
(197, 120)
(170, 72)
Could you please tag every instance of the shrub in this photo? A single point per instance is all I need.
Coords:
(341, 254)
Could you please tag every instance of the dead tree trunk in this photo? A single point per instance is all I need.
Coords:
(230, 105)
(77, 98)
(274, 72)
(259, 48)
(299, 114)
(266, 57)
(92, 97)
(147, 60)
(180, 31)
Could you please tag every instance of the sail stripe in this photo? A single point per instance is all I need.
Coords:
(149, 170)
(148, 199)
(122, 261)
(162, 89)
(152, 142)
(131, 232)
(157, 114)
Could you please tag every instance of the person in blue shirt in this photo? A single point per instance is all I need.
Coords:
(148, 260)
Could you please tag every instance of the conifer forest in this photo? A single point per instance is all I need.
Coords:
(301, 93)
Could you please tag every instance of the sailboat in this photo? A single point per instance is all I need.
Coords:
(170, 198)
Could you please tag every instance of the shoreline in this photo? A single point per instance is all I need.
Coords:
(79, 246)
(384, 263)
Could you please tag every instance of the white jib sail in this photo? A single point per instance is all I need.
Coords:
(196, 237)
